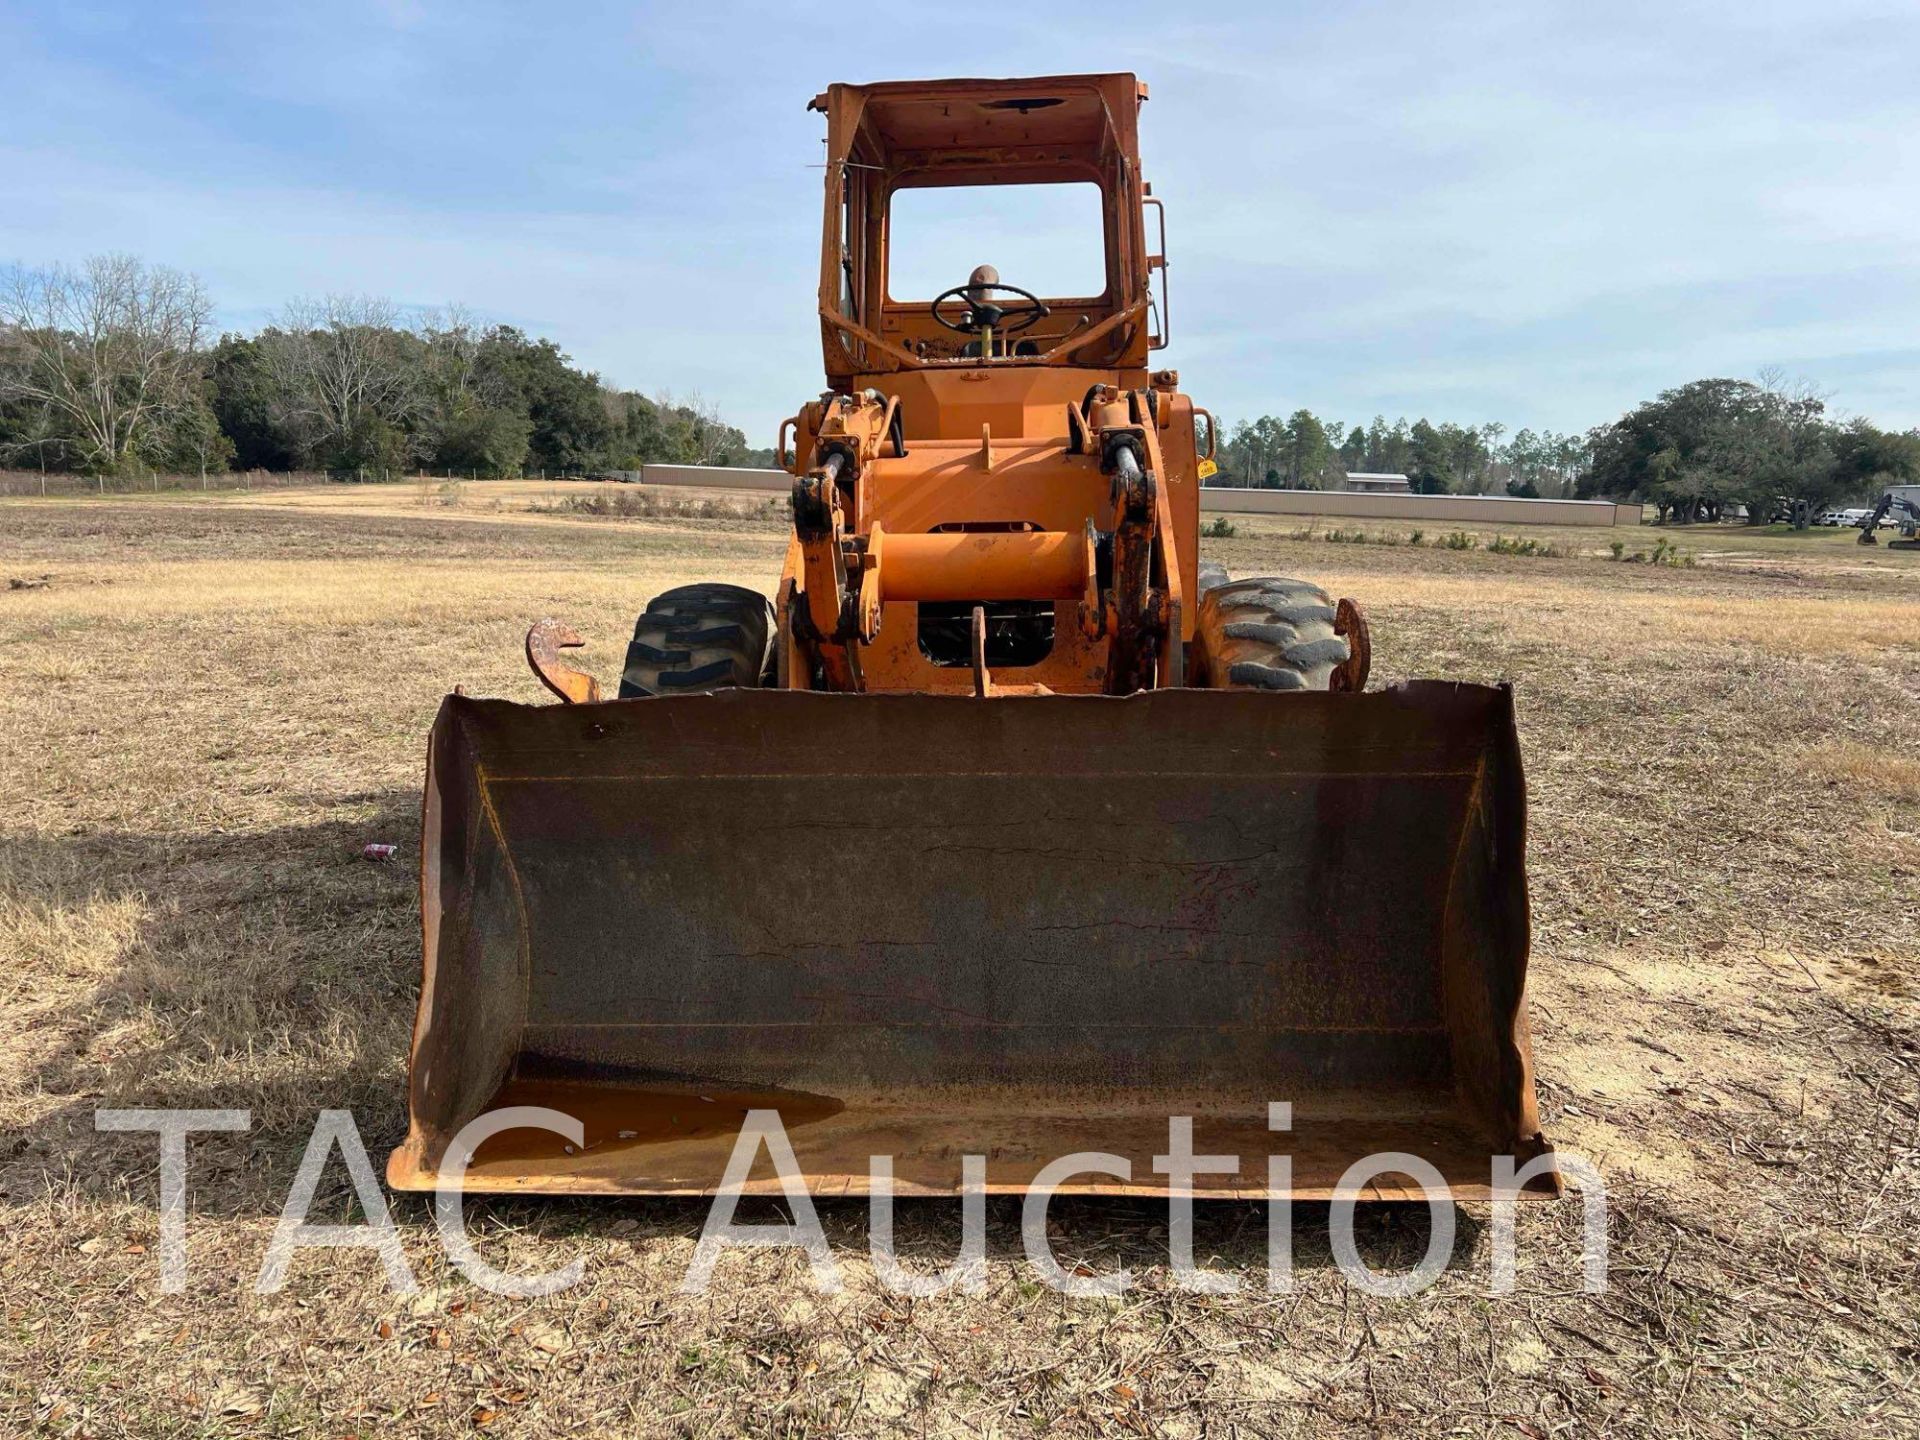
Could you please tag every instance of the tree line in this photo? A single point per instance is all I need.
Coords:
(1304, 452)
(112, 366)
(1760, 450)
(1766, 450)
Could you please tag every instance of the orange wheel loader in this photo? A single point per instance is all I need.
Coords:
(1008, 826)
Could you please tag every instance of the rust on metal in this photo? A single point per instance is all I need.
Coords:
(1350, 622)
(545, 640)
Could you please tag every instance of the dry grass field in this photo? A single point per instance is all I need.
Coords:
(210, 705)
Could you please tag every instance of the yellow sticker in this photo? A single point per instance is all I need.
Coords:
(1208, 469)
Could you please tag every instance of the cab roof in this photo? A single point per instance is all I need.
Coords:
(952, 132)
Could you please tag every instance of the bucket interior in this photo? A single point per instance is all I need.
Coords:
(930, 926)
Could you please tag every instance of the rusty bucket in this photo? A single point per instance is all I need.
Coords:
(935, 926)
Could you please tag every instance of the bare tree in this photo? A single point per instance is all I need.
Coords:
(111, 348)
(452, 338)
(699, 433)
(338, 365)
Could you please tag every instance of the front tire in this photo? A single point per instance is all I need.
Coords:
(698, 638)
(1267, 634)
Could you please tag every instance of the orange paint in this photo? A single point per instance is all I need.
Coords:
(930, 428)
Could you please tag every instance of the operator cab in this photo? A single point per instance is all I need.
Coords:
(920, 174)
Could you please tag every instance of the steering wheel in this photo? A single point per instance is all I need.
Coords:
(982, 313)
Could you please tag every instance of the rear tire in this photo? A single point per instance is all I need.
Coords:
(1267, 634)
(697, 638)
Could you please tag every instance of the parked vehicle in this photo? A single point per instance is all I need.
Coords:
(1902, 501)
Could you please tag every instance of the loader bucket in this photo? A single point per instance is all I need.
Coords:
(934, 926)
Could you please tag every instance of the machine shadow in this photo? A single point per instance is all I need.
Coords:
(1089, 1234)
(272, 970)
(1101, 1233)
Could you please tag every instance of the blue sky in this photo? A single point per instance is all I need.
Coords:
(1537, 213)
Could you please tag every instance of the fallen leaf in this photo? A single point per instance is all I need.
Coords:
(385, 1330)
(239, 1402)
(485, 1417)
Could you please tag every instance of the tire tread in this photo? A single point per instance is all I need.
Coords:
(697, 638)
(1267, 634)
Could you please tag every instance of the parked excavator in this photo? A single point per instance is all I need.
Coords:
(1905, 499)
(1007, 826)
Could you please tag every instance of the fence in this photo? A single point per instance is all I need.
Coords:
(55, 483)
(59, 483)
(34, 482)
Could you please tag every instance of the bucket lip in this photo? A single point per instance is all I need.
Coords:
(408, 1172)
(829, 1187)
(1431, 726)
(1417, 692)
(1323, 1131)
